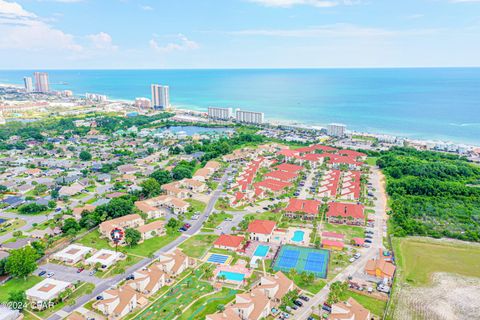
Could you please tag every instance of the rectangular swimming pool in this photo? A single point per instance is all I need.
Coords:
(232, 276)
(217, 258)
(261, 250)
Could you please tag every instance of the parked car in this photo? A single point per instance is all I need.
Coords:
(99, 298)
(130, 277)
(357, 255)
(289, 309)
(50, 274)
(304, 298)
(92, 272)
(368, 240)
(383, 288)
(294, 307)
(352, 259)
(42, 273)
(298, 303)
(182, 229)
(187, 225)
(79, 270)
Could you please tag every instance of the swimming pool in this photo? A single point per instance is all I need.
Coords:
(232, 276)
(217, 258)
(261, 250)
(298, 236)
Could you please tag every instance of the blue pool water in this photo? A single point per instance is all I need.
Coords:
(217, 258)
(298, 236)
(232, 276)
(261, 251)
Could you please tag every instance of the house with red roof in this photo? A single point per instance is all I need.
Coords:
(288, 154)
(346, 213)
(338, 160)
(332, 245)
(275, 187)
(229, 242)
(327, 235)
(353, 154)
(288, 167)
(381, 268)
(307, 209)
(281, 175)
(261, 230)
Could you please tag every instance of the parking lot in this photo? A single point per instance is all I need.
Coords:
(66, 273)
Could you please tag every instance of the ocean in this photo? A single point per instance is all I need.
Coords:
(430, 103)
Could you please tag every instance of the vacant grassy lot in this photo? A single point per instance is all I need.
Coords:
(419, 258)
(349, 231)
(198, 245)
(17, 285)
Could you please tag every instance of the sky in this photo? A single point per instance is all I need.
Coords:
(139, 34)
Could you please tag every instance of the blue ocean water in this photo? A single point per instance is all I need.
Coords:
(441, 104)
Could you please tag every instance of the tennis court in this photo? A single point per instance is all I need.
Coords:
(217, 258)
(303, 260)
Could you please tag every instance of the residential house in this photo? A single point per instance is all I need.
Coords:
(117, 303)
(349, 310)
(253, 305)
(261, 230)
(128, 221)
(148, 281)
(152, 229)
(72, 254)
(346, 213)
(308, 209)
(381, 268)
(276, 287)
(173, 263)
(46, 291)
(105, 258)
(229, 242)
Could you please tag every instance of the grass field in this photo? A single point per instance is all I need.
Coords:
(198, 245)
(196, 206)
(215, 219)
(419, 258)
(208, 304)
(17, 285)
(349, 231)
(13, 225)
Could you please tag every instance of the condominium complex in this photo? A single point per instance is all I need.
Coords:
(336, 129)
(160, 97)
(95, 97)
(41, 82)
(249, 116)
(142, 103)
(220, 113)
(28, 84)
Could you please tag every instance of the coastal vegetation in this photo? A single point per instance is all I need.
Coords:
(432, 194)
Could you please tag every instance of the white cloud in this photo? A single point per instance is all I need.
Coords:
(102, 41)
(13, 10)
(334, 30)
(315, 3)
(182, 44)
(146, 8)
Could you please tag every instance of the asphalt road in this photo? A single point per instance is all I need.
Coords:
(30, 219)
(367, 253)
(104, 284)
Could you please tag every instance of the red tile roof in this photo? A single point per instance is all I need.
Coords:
(287, 152)
(273, 185)
(353, 210)
(328, 234)
(226, 240)
(281, 175)
(261, 226)
(332, 243)
(351, 153)
(359, 241)
(289, 167)
(303, 206)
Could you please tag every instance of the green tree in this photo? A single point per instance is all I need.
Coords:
(151, 188)
(17, 299)
(162, 176)
(22, 262)
(70, 226)
(85, 156)
(132, 236)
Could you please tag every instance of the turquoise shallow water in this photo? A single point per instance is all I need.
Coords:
(441, 103)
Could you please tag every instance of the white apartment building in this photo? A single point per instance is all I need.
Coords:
(95, 97)
(142, 103)
(28, 84)
(336, 129)
(160, 97)
(41, 82)
(220, 113)
(249, 116)
(45, 291)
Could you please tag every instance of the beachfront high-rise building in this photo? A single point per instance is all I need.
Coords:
(95, 97)
(160, 97)
(41, 82)
(220, 113)
(336, 129)
(249, 116)
(142, 103)
(28, 84)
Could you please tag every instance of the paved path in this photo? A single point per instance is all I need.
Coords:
(367, 254)
(111, 282)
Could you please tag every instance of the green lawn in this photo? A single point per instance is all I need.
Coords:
(17, 285)
(377, 307)
(313, 287)
(198, 245)
(11, 225)
(266, 216)
(215, 219)
(208, 304)
(349, 231)
(195, 207)
(371, 161)
(143, 249)
(419, 258)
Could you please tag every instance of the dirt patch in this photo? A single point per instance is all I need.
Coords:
(451, 297)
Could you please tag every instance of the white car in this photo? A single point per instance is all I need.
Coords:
(352, 259)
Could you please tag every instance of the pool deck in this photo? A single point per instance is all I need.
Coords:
(235, 268)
